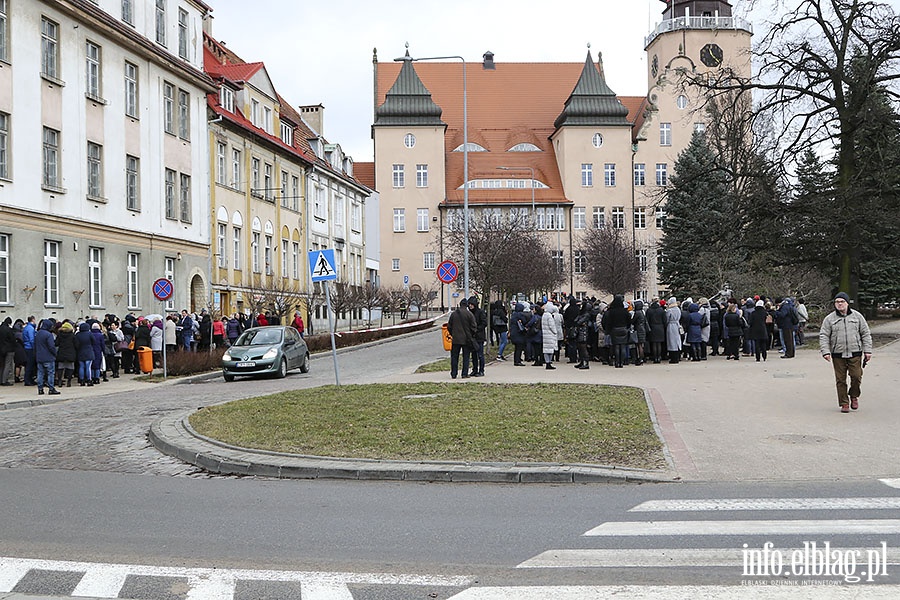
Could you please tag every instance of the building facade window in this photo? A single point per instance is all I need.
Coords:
(587, 175)
(235, 168)
(221, 150)
(49, 48)
(284, 258)
(409, 140)
(221, 242)
(132, 183)
(599, 217)
(94, 170)
(642, 259)
(295, 254)
(51, 273)
(618, 217)
(287, 134)
(295, 192)
(421, 176)
(133, 280)
(422, 220)
(640, 217)
(236, 247)
(4, 32)
(399, 178)
(609, 174)
(184, 115)
(579, 218)
(183, 34)
(319, 202)
(171, 212)
(284, 189)
(169, 108)
(254, 112)
(640, 174)
(267, 182)
(267, 119)
(681, 101)
(699, 127)
(579, 262)
(131, 90)
(226, 99)
(267, 255)
(395, 264)
(161, 22)
(4, 268)
(95, 276)
(662, 174)
(92, 70)
(597, 140)
(169, 273)
(660, 217)
(50, 165)
(665, 134)
(399, 220)
(254, 251)
(185, 198)
(355, 216)
(557, 257)
(128, 11)
(254, 177)
(428, 261)
(4, 145)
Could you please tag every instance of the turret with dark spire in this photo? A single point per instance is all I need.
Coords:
(408, 102)
(592, 102)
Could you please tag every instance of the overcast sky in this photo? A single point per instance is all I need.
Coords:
(321, 52)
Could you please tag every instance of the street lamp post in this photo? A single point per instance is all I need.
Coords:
(531, 169)
(408, 58)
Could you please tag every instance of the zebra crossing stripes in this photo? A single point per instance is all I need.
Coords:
(102, 580)
(739, 504)
(894, 483)
(773, 527)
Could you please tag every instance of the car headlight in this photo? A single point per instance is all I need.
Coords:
(226, 356)
(272, 353)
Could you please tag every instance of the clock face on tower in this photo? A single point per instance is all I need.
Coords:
(711, 55)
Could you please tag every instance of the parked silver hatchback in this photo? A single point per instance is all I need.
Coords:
(272, 350)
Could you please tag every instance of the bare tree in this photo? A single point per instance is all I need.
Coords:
(312, 297)
(369, 298)
(277, 295)
(611, 264)
(343, 299)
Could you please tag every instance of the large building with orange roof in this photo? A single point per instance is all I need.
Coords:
(549, 139)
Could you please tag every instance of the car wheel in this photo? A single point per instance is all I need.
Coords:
(282, 369)
(228, 377)
(304, 365)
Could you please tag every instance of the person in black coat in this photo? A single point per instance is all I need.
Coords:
(98, 341)
(656, 323)
(45, 357)
(734, 327)
(758, 331)
(639, 324)
(615, 322)
(715, 326)
(66, 355)
(518, 323)
(84, 353)
(480, 337)
(500, 327)
(7, 351)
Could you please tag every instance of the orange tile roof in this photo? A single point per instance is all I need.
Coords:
(365, 173)
(517, 102)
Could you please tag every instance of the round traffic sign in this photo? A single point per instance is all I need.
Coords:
(163, 289)
(447, 271)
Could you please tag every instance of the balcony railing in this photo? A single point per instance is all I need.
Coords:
(698, 23)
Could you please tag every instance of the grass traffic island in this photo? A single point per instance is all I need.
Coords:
(556, 423)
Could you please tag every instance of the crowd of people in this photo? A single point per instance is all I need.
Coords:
(625, 332)
(53, 353)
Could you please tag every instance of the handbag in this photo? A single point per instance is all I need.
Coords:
(131, 344)
(632, 337)
(119, 346)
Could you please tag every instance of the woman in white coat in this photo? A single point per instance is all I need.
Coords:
(673, 331)
(550, 332)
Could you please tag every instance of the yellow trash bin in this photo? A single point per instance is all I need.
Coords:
(447, 338)
(145, 359)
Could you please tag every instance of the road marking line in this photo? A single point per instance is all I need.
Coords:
(675, 592)
(655, 557)
(101, 582)
(787, 527)
(325, 592)
(894, 483)
(213, 583)
(713, 504)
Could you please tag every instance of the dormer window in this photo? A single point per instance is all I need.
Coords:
(226, 99)
(287, 134)
(524, 147)
(472, 147)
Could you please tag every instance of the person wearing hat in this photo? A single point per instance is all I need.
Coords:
(846, 342)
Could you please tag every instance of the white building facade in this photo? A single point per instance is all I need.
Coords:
(104, 157)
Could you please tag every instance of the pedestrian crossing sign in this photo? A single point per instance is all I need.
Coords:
(321, 265)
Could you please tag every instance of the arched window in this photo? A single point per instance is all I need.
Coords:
(524, 147)
(473, 147)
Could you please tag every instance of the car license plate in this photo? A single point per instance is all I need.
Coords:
(246, 364)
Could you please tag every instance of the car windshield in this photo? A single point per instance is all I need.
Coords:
(259, 337)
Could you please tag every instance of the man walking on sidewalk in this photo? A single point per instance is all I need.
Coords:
(845, 341)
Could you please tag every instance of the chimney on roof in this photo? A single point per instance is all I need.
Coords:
(314, 115)
(208, 24)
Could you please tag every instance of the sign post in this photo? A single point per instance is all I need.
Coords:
(321, 268)
(163, 291)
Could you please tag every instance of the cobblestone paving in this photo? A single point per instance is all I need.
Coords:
(109, 433)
